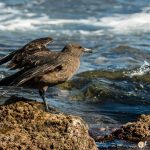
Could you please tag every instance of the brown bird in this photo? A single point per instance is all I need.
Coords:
(20, 56)
(44, 68)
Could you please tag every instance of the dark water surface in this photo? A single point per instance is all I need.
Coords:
(118, 31)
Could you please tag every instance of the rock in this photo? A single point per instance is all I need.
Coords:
(133, 131)
(102, 85)
(117, 75)
(25, 125)
(137, 54)
(125, 49)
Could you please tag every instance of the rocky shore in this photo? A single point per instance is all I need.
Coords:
(135, 133)
(25, 125)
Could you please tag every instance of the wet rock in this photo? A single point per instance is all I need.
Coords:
(113, 75)
(132, 131)
(25, 125)
(125, 48)
(92, 85)
(93, 90)
(99, 85)
(137, 54)
(119, 75)
(135, 131)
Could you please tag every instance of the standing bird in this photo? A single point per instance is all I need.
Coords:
(44, 68)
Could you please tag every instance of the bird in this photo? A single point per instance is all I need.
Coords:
(43, 68)
(21, 55)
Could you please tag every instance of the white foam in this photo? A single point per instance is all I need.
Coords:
(128, 23)
(144, 69)
(10, 22)
(124, 24)
(12, 19)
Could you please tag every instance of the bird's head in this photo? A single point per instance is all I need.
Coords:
(75, 49)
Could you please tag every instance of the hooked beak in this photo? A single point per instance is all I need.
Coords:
(87, 50)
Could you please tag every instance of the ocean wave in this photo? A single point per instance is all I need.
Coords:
(129, 23)
(12, 19)
(144, 69)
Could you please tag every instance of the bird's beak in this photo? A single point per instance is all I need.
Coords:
(52, 41)
(87, 50)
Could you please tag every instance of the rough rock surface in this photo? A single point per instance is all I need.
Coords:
(132, 131)
(135, 131)
(25, 125)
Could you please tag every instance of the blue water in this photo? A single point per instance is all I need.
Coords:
(103, 25)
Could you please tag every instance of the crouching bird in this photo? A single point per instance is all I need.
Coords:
(41, 68)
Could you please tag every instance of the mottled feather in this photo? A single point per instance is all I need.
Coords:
(20, 56)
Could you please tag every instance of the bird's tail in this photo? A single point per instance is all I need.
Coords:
(7, 82)
(7, 58)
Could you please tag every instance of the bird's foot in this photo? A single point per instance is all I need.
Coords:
(51, 109)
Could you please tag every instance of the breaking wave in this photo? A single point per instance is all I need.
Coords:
(12, 19)
(144, 69)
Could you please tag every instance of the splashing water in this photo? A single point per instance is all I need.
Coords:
(144, 69)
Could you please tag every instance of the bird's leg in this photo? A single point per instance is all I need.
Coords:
(42, 94)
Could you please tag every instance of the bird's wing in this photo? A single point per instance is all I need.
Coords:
(16, 57)
(28, 74)
(37, 44)
(38, 58)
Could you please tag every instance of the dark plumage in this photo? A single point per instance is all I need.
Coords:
(44, 68)
(20, 56)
